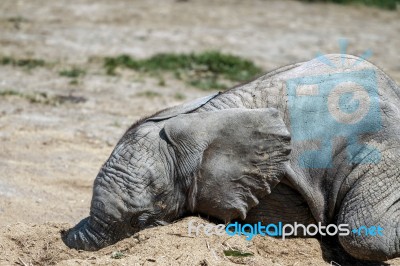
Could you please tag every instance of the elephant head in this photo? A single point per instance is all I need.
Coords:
(219, 163)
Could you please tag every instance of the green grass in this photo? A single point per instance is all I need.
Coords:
(116, 124)
(9, 93)
(28, 63)
(385, 4)
(207, 70)
(17, 19)
(72, 73)
(33, 98)
(179, 96)
(161, 82)
(208, 83)
(74, 82)
(117, 255)
(149, 94)
(43, 97)
(237, 253)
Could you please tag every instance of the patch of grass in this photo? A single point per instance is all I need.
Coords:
(385, 4)
(117, 255)
(74, 82)
(116, 124)
(37, 97)
(149, 94)
(17, 21)
(111, 63)
(28, 63)
(179, 96)
(161, 82)
(207, 70)
(207, 83)
(9, 93)
(43, 97)
(34, 98)
(237, 253)
(72, 73)
(59, 99)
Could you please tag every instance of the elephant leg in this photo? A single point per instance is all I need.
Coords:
(373, 200)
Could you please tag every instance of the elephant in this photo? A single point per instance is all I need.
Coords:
(313, 142)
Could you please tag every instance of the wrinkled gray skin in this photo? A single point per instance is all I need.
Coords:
(230, 156)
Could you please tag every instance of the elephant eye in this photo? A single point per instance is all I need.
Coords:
(140, 218)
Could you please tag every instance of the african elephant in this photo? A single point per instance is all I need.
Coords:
(314, 142)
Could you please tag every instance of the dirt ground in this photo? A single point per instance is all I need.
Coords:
(56, 131)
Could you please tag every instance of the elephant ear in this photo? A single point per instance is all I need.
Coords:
(182, 109)
(228, 159)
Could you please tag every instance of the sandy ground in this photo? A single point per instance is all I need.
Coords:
(50, 153)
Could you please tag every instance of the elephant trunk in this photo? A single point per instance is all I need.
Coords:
(88, 234)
